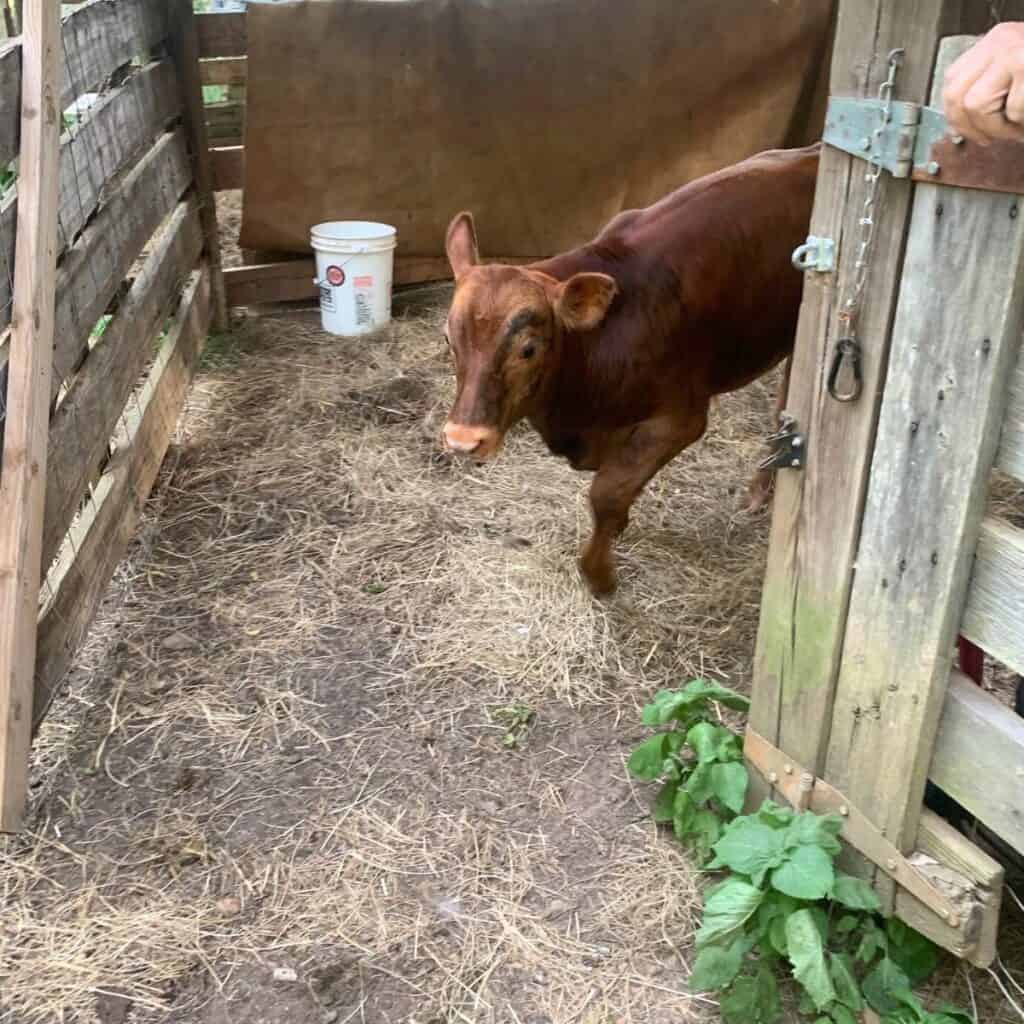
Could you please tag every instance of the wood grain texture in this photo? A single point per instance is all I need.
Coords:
(224, 71)
(97, 38)
(103, 533)
(942, 412)
(1010, 458)
(958, 866)
(228, 165)
(23, 466)
(184, 48)
(994, 615)
(979, 758)
(817, 511)
(88, 415)
(221, 35)
(94, 268)
(121, 125)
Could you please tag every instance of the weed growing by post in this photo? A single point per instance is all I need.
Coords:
(782, 906)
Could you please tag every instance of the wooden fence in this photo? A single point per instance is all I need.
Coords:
(882, 550)
(133, 290)
(268, 277)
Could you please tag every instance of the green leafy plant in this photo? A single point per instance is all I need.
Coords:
(700, 761)
(516, 719)
(783, 904)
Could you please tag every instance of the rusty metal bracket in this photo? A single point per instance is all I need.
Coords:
(805, 792)
(916, 143)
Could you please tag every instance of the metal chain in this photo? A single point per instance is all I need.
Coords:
(848, 347)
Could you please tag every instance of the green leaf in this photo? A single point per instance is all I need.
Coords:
(846, 924)
(845, 982)
(702, 690)
(703, 737)
(707, 828)
(946, 1014)
(807, 874)
(810, 829)
(729, 784)
(854, 893)
(807, 955)
(870, 944)
(663, 807)
(716, 968)
(739, 1004)
(728, 907)
(885, 986)
(683, 811)
(698, 785)
(774, 815)
(841, 1014)
(750, 848)
(647, 759)
(664, 707)
(768, 996)
(777, 936)
(915, 955)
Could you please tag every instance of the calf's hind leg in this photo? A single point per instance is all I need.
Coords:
(618, 481)
(760, 487)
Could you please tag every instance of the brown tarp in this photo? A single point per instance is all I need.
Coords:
(543, 117)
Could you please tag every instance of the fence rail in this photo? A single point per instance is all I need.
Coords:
(133, 294)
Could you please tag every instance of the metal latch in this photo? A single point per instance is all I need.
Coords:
(787, 445)
(902, 146)
(815, 254)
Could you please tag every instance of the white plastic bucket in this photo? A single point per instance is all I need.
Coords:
(354, 263)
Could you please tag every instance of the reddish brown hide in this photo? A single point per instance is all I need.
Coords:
(613, 351)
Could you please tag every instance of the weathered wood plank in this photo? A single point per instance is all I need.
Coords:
(85, 420)
(95, 266)
(942, 412)
(222, 35)
(184, 46)
(961, 867)
(1011, 448)
(994, 615)
(97, 38)
(817, 511)
(119, 127)
(979, 758)
(23, 477)
(224, 71)
(228, 164)
(105, 530)
(292, 280)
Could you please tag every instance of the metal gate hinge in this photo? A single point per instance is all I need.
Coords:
(805, 792)
(787, 444)
(905, 141)
(815, 254)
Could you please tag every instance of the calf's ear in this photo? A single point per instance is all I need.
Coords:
(460, 244)
(582, 302)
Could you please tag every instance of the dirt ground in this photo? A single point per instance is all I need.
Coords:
(347, 741)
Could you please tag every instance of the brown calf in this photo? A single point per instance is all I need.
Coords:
(613, 351)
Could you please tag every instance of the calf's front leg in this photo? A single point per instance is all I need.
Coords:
(617, 483)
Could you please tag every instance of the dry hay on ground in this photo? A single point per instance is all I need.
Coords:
(279, 787)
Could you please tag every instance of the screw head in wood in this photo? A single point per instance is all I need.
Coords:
(958, 140)
(892, 865)
(788, 769)
(773, 776)
(844, 810)
(933, 167)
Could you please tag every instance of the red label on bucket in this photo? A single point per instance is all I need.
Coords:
(335, 276)
(365, 281)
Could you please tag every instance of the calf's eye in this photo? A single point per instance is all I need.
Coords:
(528, 351)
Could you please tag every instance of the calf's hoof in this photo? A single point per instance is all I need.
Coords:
(759, 493)
(599, 575)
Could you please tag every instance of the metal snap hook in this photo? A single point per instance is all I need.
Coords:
(847, 350)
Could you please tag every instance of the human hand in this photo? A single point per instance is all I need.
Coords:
(983, 91)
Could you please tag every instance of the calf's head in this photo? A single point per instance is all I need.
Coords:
(506, 329)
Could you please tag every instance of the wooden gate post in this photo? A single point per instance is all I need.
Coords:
(817, 516)
(184, 43)
(23, 468)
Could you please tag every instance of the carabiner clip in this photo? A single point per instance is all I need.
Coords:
(846, 349)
